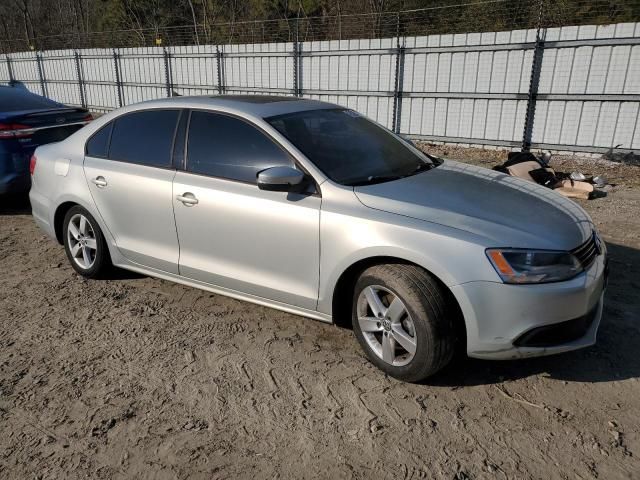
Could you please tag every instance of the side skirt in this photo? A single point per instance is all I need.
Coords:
(128, 265)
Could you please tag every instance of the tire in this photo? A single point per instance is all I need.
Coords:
(420, 338)
(78, 244)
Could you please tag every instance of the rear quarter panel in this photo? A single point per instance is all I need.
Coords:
(59, 178)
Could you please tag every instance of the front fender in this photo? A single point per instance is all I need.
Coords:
(351, 232)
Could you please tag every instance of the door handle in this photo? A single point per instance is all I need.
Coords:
(100, 181)
(188, 199)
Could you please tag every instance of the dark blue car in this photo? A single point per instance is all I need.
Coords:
(27, 121)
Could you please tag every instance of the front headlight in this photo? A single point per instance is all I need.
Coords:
(533, 266)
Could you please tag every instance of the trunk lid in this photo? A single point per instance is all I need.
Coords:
(50, 125)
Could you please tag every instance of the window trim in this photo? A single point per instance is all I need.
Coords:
(296, 163)
(179, 130)
(86, 144)
(171, 165)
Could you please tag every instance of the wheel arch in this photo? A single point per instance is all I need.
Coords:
(64, 205)
(342, 295)
(58, 219)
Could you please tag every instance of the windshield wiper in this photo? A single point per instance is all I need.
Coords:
(422, 167)
(436, 160)
(373, 179)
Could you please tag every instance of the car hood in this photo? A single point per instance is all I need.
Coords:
(508, 211)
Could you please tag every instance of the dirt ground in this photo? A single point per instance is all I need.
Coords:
(138, 377)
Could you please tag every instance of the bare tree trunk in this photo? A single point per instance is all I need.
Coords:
(195, 22)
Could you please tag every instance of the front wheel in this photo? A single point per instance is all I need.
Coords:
(402, 321)
(84, 243)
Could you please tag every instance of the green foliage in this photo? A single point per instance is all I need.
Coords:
(47, 24)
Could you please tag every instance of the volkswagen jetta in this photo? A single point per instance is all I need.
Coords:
(313, 209)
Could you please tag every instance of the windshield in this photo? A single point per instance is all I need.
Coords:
(349, 148)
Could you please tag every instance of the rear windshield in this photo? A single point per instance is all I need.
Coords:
(349, 148)
(15, 99)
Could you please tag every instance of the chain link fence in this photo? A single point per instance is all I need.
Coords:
(563, 74)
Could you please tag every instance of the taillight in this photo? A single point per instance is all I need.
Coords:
(14, 130)
(88, 118)
(32, 164)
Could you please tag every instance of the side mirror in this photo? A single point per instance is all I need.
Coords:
(281, 179)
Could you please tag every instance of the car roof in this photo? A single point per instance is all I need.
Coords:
(256, 105)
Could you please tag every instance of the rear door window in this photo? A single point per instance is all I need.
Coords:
(227, 147)
(98, 144)
(144, 138)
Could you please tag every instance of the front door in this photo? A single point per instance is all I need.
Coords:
(234, 235)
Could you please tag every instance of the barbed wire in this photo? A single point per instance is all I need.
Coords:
(463, 17)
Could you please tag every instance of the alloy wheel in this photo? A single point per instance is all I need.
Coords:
(386, 325)
(82, 241)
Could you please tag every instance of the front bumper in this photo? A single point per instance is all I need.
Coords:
(518, 321)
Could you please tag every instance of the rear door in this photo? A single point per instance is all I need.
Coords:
(128, 166)
(234, 235)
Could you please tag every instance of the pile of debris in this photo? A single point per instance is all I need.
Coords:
(537, 169)
(628, 158)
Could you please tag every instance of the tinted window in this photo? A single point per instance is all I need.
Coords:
(144, 138)
(349, 148)
(224, 146)
(98, 144)
(14, 99)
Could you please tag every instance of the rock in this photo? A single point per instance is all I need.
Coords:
(189, 357)
(376, 428)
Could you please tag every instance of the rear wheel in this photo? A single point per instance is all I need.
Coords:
(84, 243)
(401, 319)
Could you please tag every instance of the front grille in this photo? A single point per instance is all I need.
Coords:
(559, 333)
(587, 252)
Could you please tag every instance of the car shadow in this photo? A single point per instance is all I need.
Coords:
(15, 205)
(121, 274)
(614, 357)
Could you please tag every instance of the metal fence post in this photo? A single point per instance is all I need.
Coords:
(532, 97)
(297, 77)
(43, 84)
(116, 65)
(398, 85)
(10, 70)
(80, 77)
(220, 64)
(534, 82)
(397, 100)
(167, 72)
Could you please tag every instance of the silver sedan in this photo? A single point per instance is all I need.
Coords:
(313, 209)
